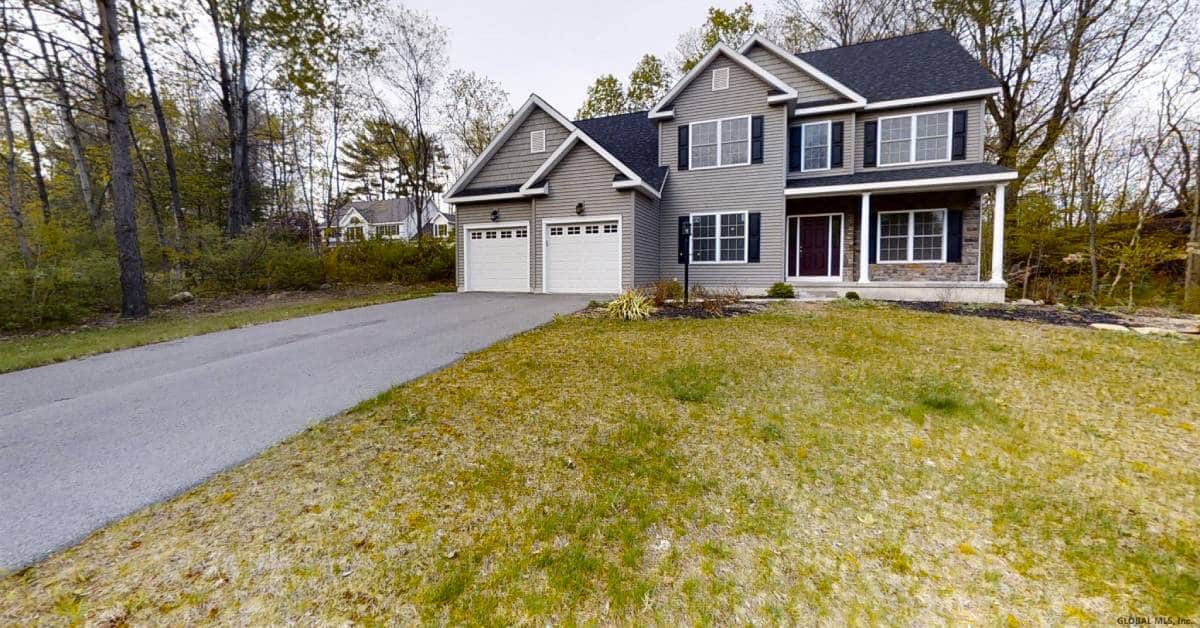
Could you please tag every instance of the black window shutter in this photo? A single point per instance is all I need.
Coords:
(871, 235)
(753, 230)
(683, 240)
(835, 145)
(954, 219)
(958, 140)
(756, 140)
(683, 147)
(869, 144)
(795, 141)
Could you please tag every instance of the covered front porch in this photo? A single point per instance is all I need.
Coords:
(911, 239)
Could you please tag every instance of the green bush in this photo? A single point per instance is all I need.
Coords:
(632, 305)
(294, 267)
(388, 260)
(852, 296)
(60, 292)
(782, 290)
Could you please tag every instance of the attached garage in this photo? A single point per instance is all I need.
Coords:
(582, 257)
(497, 258)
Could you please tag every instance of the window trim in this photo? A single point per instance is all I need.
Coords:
(910, 236)
(912, 138)
(828, 144)
(745, 238)
(541, 133)
(749, 143)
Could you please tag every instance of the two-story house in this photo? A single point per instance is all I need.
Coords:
(859, 168)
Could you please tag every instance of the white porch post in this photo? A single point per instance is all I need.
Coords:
(998, 235)
(864, 238)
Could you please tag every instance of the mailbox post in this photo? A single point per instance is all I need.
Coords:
(685, 231)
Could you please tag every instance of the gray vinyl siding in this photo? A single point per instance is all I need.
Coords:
(807, 88)
(513, 163)
(585, 177)
(751, 188)
(645, 239)
(975, 130)
(848, 144)
(475, 213)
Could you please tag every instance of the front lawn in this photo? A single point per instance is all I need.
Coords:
(30, 350)
(840, 462)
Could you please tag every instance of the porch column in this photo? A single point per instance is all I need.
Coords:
(864, 238)
(998, 235)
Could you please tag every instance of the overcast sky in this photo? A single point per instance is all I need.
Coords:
(557, 48)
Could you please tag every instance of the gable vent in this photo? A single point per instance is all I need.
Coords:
(720, 79)
(537, 141)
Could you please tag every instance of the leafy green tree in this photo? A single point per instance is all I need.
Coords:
(648, 83)
(733, 27)
(604, 98)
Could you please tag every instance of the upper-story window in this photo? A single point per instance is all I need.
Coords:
(720, 79)
(914, 138)
(716, 143)
(537, 141)
(816, 146)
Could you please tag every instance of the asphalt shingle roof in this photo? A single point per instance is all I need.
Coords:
(385, 210)
(921, 64)
(875, 175)
(633, 139)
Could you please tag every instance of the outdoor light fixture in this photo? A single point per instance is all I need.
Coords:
(579, 208)
(495, 215)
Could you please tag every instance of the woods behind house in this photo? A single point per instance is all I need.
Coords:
(152, 146)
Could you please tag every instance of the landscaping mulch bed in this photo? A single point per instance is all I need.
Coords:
(1058, 315)
(696, 310)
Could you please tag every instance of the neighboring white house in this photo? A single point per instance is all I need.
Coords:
(390, 219)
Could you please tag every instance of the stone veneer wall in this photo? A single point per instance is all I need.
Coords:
(966, 200)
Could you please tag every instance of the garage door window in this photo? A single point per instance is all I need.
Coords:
(610, 228)
(572, 230)
(476, 235)
(522, 233)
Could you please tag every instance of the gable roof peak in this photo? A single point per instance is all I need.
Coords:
(786, 92)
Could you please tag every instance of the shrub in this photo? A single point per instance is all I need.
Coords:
(852, 296)
(667, 290)
(60, 292)
(782, 291)
(631, 305)
(294, 267)
(714, 301)
(389, 260)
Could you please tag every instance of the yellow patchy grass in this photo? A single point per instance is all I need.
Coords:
(851, 463)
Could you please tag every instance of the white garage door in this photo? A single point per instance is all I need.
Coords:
(583, 257)
(498, 259)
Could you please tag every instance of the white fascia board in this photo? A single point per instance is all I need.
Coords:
(662, 115)
(807, 67)
(506, 196)
(735, 56)
(637, 185)
(801, 110)
(965, 180)
(519, 117)
(936, 98)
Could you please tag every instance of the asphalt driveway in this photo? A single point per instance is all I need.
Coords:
(85, 442)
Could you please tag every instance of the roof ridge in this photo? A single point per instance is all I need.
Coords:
(875, 41)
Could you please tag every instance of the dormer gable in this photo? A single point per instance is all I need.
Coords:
(703, 75)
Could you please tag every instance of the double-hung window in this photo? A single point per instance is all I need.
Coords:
(716, 143)
(719, 237)
(383, 231)
(914, 138)
(912, 236)
(816, 146)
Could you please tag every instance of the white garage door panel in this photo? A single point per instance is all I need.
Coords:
(498, 259)
(583, 257)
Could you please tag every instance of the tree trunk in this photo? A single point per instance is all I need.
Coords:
(14, 194)
(163, 131)
(129, 254)
(38, 178)
(58, 84)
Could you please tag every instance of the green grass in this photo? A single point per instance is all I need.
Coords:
(22, 352)
(845, 463)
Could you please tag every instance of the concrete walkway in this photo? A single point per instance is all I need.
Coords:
(85, 442)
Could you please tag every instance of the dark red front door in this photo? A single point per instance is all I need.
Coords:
(814, 246)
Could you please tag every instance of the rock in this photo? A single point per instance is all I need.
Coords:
(1024, 302)
(181, 297)
(1145, 331)
(326, 286)
(1108, 327)
(275, 296)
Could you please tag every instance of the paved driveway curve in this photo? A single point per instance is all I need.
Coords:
(85, 442)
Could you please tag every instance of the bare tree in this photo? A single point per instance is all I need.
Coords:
(807, 24)
(475, 108)
(129, 254)
(35, 155)
(16, 216)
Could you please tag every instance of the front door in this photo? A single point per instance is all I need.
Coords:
(814, 247)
